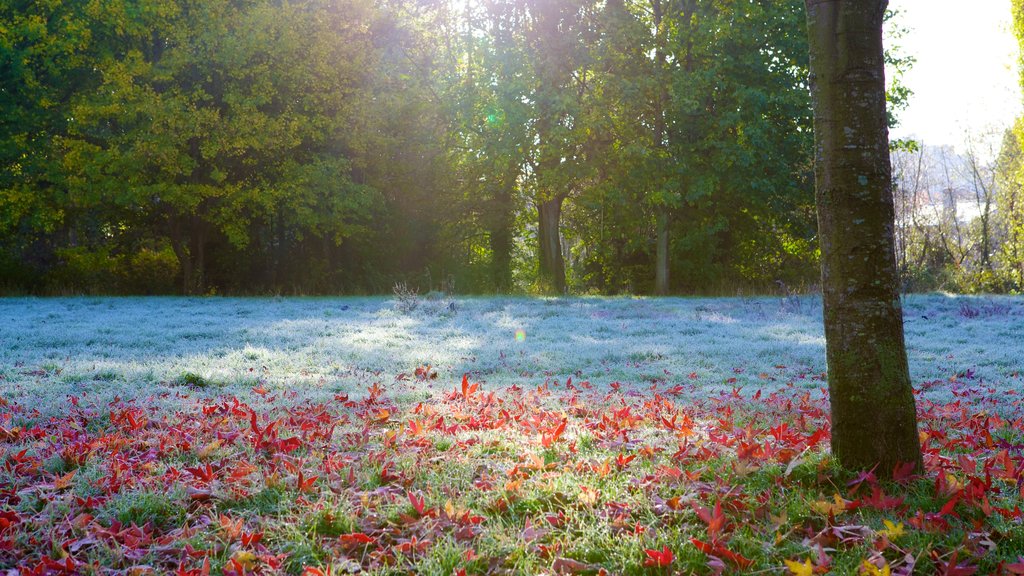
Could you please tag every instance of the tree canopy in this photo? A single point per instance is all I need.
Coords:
(338, 146)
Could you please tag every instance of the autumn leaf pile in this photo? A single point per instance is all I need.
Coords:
(549, 477)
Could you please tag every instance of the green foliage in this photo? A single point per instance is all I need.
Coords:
(150, 271)
(322, 147)
(1010, 209)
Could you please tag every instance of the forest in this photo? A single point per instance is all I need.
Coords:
(478, 146)
(344, 146)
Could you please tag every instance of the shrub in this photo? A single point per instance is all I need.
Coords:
(149, 271)
(83, 270)
(406, 299)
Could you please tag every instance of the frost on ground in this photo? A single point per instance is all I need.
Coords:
(130, 347)
(308, 437)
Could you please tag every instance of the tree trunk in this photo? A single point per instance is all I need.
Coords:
(197, 250)
(661, 254)
(552, 266)
(501, 258)
(501, 236)
(182, 253)
(873, 414)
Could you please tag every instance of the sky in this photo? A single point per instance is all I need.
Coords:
(965, 79)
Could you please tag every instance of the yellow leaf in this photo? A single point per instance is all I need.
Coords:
(588, 495)
(535, 463)
(798, 569)
(836, 507)
(245, 559)
(892, 531)
(205, 452)
(65, 480)
(869, 569)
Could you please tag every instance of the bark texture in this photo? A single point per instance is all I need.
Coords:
(873, 414)
(552, 265)
(501, 237)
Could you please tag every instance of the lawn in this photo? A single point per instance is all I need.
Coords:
(491, 436)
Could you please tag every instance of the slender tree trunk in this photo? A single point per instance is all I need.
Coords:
(181, 251)
(873, 414)
(197, 251)
(501, 258)
(501, 233)
(552, 266)
(661, 254)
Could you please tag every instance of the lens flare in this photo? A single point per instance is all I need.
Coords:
(520, 335)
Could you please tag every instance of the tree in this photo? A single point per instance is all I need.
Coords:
(873, 413)
(1010, 203)
(229, 124)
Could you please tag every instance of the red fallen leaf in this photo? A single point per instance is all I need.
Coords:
(547, 439)
(418, 503)
(864, 477)
(289, 444)
(878, 500)
(715, 519)
(251, 538)
(1010, 514)
(199, 494)
(232, 526)
(952, 568)
(376, 391)
(715, 549)
(305, 484)
(386, 476)
(569, 566)
(1016, 567)
(240, 470)
(818, 435)
(415, 428)
(556, 520)
(904, 472)
(202, 571)
(531, 533)
(947, 508)
(659, 558)
(203, 474)
(412, 546)
(356, 540)
(621, 461)
(80, 521)
(9, 519)
(467, 388)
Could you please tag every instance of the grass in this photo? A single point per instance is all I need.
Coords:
(297, 436)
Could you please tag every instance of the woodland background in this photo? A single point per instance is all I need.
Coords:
(478, 146)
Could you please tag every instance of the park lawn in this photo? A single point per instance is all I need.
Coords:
(492, 436)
